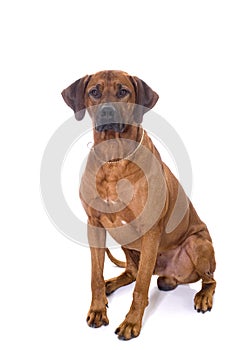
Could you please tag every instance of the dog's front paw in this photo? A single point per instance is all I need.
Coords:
(128, 330)
(97, 318)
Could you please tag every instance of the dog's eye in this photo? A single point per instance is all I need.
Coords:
(95, 93)
(122, 93)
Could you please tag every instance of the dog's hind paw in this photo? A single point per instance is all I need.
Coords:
(203, 301)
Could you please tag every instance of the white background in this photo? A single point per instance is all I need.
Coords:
(183, 50)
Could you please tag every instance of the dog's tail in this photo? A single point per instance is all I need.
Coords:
(114, 260)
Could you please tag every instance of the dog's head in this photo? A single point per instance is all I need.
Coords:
(114, 99)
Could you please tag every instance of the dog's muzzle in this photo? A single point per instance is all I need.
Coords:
(108, 118)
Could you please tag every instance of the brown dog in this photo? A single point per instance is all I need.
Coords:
(128, 191)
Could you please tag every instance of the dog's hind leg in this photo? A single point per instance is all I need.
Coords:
(203, 300)
(128, 276)
(200, 249)
(194, 260)
(205, 266)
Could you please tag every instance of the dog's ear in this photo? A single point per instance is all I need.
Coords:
(146, 98)
(74, 96)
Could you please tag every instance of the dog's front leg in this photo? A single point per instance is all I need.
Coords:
(131, 326)
(97, 315)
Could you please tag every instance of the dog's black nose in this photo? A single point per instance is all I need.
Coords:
(108, 113)
(108, 119)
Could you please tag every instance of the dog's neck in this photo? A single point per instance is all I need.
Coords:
(111, 146)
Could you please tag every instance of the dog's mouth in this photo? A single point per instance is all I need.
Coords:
(109, 119)
(115, 127)
(111, 142)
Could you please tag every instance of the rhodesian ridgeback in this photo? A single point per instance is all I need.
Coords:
(128, 191)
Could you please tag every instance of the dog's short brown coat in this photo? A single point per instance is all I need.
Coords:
(184, 254)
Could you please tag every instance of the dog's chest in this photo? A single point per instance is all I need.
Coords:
(118, 182)
(123, 190)
(115, 193)
(123, 197)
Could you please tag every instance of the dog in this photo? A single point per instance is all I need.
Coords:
(128, 191)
